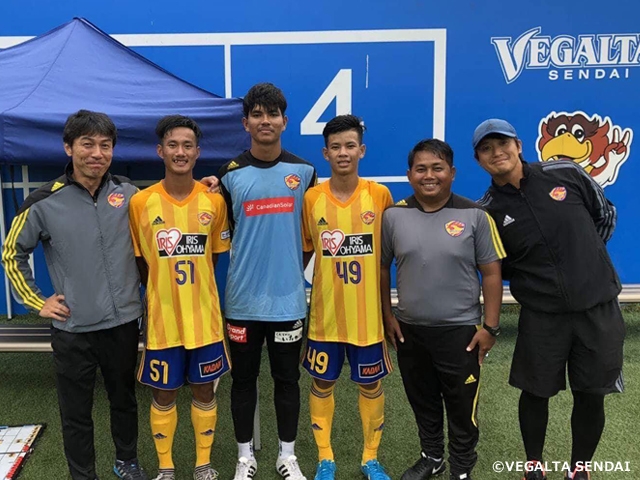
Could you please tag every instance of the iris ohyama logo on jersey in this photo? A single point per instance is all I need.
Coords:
(173, 243)
(336, 244)
(601, 56)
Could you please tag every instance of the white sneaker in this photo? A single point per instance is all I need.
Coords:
(205, 474)
(245, 468)
(166, 475)
(289, 469)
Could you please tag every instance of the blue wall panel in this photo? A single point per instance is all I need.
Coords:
(521, 61)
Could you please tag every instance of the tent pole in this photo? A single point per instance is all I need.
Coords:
(26, 190)
(7, 288)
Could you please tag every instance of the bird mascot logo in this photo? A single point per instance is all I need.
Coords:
(594, 143)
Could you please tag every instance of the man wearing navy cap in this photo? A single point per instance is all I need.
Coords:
(554, 221)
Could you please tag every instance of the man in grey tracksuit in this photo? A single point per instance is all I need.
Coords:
(81, 218)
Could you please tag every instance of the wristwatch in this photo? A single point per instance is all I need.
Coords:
(494, 331)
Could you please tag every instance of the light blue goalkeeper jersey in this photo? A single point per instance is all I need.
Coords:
(266, 276)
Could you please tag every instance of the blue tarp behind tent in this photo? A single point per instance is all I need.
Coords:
(44, 80)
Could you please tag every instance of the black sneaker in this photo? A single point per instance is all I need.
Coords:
(578, 475)
(460, 476)
(424, 468)
(535, 471)
(129, 470)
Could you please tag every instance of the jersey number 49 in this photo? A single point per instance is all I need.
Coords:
(349, 272)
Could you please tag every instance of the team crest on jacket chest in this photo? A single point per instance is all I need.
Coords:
(116, 199)
(368, 217)
(455, 228)
(292, 181)
(558, 194)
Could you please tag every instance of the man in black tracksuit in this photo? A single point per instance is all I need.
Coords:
(554, 220)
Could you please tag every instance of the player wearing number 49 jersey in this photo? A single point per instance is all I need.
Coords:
(178, 229)
(345, 304)
(342, 221)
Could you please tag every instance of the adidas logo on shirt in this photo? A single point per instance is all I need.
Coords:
(158, 221)
(470, 379)
(508, 220)
(322, 222)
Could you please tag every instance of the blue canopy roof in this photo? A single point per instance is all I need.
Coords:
(75, 66)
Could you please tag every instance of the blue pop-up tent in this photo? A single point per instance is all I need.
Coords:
(77, 66)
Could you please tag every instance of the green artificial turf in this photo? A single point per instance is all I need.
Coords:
(28, 395)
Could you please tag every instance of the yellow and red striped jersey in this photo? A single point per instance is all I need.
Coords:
(177, 240)
(345, 295)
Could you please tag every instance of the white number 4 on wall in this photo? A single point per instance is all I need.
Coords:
(340, 89)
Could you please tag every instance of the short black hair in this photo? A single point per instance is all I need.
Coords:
(168, 123)
(88, 123)
(266, 95)
(343, 123)
(435, 147)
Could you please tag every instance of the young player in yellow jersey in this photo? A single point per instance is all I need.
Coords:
(342, 220)
(178, 230)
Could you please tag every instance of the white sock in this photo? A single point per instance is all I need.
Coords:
(286, 449)
(246, 450)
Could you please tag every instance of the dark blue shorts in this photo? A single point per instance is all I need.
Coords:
(168, 369)
(369, 364)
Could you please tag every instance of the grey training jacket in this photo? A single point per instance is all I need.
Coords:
(88, 249)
